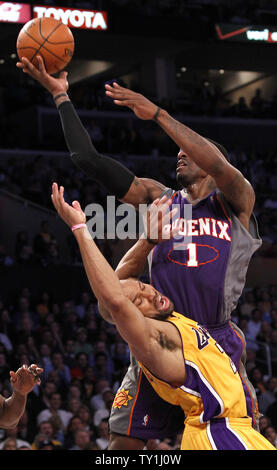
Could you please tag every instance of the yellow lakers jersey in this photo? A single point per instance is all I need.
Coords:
(212, 387)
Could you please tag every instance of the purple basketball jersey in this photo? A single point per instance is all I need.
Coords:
(204, 278)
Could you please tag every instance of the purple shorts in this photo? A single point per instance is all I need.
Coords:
(139, 412)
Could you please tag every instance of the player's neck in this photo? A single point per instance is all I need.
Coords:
(199, 190)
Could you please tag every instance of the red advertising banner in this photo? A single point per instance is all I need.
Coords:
(73, 17)
(14, 12)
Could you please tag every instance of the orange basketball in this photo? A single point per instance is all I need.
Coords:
(49, 38)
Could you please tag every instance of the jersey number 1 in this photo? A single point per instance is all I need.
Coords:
(192, 256)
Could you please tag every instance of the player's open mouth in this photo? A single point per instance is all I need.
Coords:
(164, 302)
(181, 163)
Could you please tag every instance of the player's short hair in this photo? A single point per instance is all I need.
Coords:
(220, 147)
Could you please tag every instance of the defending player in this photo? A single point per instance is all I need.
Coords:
(182, 362)
(223, 234)
(22, 381)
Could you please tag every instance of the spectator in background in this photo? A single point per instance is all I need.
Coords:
(9, 444)
(102, 367)
(250, 360)
(85, 415)
(82, 307)
(104, 413)
(263, 423)
(253, 329)
(102, 440)
(87, 385)
(81, 440)
(81, 343)
(271, 435)
(257, 104)
(257, 380)
(46, 432)
(248, 304)
(57, 364)
(13, 434)
(268, 396)
(74, 425)
(81, 364)
(42, 242)
(69, 353)
(273, 351)
(55, 410)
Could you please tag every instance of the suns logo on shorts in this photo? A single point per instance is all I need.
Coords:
(122, 398)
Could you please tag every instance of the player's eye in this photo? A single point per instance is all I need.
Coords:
(138, 301)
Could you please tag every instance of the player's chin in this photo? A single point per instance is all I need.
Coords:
(165, 314)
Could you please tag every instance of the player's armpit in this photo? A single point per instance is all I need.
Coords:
(143, 191)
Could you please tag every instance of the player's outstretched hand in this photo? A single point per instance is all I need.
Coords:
(39, 73)
(159, 218)
(71, 215)
(142, 107)
(25, 378)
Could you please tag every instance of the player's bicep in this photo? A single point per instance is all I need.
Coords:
(143, 191)
(236, 190)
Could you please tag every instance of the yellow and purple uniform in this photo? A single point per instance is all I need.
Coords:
(212, 396)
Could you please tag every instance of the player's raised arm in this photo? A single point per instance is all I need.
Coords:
(22, 381)
(237, 190)
(104, 282)
(106, 171)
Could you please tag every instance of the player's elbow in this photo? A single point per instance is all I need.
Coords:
(105, 314)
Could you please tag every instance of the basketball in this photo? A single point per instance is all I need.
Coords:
(49, 38)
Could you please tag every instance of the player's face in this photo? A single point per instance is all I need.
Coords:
(148, 300)
(187, 172)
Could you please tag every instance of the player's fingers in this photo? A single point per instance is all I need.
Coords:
(123, 102)
(155, 202)
(63, 75)
(173, 212)
(120, 93)
(60, 198)
(55, 198)
(12, 376)
(41, 65)
(28, 65)
(119, 87)
(77, 206)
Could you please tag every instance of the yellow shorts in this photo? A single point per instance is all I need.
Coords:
(223, 434)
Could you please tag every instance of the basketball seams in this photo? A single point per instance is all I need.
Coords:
(50, 34)
(42, 45)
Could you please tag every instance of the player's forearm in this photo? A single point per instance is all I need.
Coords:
(106, 171)
(102, 278)
(200, 150)
(12, 410)
(133, 262)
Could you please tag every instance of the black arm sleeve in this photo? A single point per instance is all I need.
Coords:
(115, 177)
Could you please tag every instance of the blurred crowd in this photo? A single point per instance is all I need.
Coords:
(85, 359)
